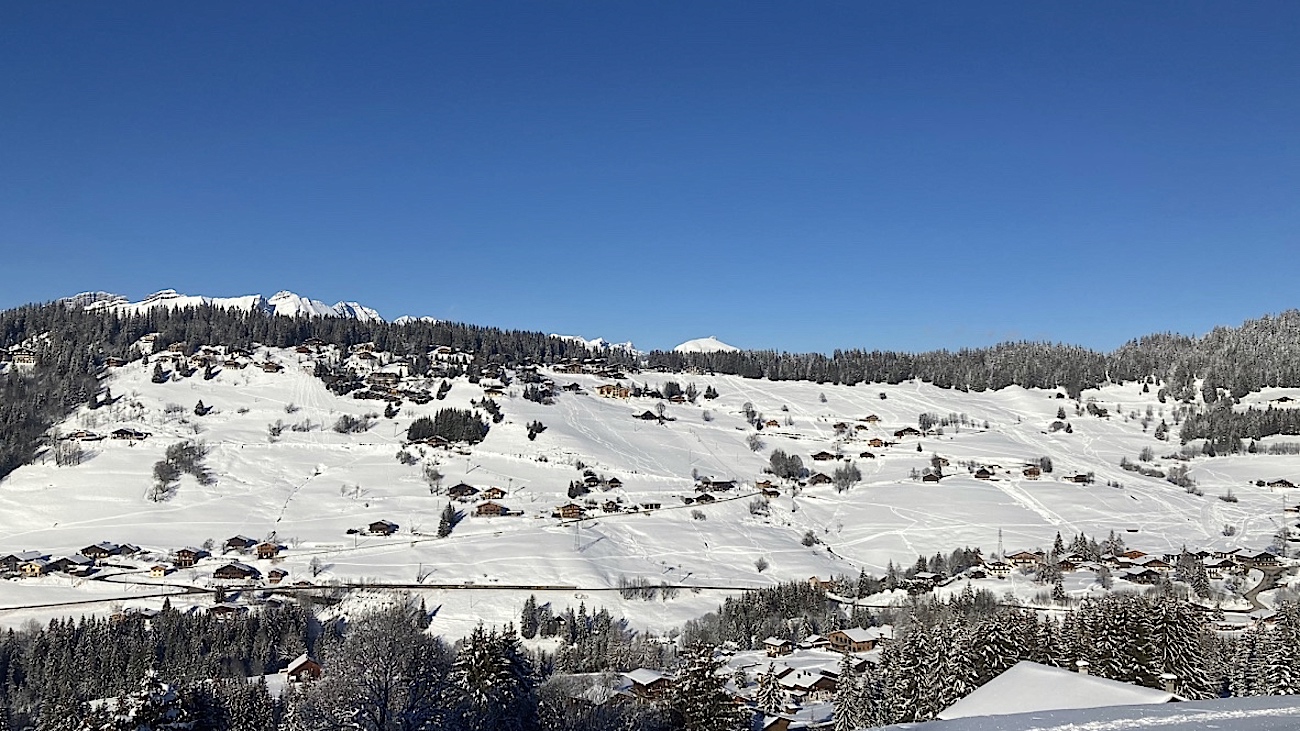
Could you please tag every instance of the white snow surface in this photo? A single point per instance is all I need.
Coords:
(311, 485)
(1267, 713)
(280, 303)
(1028, 686)
(705, 345)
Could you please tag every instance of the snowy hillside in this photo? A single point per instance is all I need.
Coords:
(283, 474)
(1233, 714)
(280, 303)
(705, 345)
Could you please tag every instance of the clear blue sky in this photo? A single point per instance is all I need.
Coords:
(802, 176)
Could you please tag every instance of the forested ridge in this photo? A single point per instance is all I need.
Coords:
(72, 345)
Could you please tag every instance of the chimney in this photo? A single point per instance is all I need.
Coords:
(1168, 679)
(1081, 666)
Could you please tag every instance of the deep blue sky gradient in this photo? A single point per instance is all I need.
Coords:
(799, 176)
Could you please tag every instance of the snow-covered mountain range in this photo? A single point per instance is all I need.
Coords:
(281, 303)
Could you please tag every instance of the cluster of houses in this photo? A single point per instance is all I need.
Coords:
(1134, 565)
(123, 434)
(31, 564)
(600, 367)
(806, 671)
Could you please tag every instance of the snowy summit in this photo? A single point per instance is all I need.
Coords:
(280, 303)
(705, 345)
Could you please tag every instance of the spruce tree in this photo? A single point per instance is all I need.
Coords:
(699, 699)
(769, 696)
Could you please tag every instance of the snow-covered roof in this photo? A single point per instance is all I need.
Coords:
(858, 634)
(1029, 686)
(298, 662)
(645, 676)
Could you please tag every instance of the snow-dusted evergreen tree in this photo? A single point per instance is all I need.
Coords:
(386, 674)
(699, 700)
(155, 706)
(769, 697)
(851, 702)
(492, 685)
(1176, 637)
(528, 618)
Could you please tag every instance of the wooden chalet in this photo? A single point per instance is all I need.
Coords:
(821, 478)
(614, 483)
(871, 419)
(158, 571)
(824, 456)
(75, 565)
(611, 506)
(101, 550)
(1256, 558)
(462, 491)
(35, 567)
(907, 431)
(867, 455)
(491, 510)
(268, 550)
(186, 557)
(382, 528)
(1281, 483)
(384, 379)
(493, 493)
(983, 474)
(706, 498)
(876, 443)
(930, 477)
(647, 415)
(239, 543)
(1025, 558)
(776, 647)
(855, 639)
(276, 576)
(269, 367)
(570, 511)
(236, 571)
(303, 669)
(1032, 472)
(613, 390)
(14, 561)
(648, 685)
(131, 434)
(998, 569)
(227, 610)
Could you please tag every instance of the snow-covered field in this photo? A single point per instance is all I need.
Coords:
(308, 488)
(1278, 713)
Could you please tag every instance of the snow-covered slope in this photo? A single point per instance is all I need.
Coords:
(1276, 713)
(307, 485)
(280, 303)
(705, 345)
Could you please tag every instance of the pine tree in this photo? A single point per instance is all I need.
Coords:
(528, 618)
(850, 698)
(769, 696)
(699, 699)
(447, 521)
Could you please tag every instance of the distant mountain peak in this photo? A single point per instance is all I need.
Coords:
(283, 302)
(599, 343)
(705, 345)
